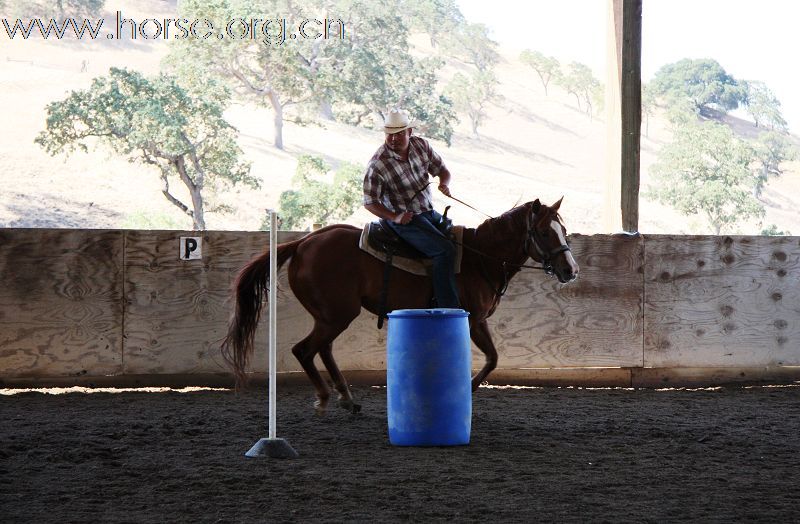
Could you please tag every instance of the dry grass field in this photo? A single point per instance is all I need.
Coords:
(531, 146)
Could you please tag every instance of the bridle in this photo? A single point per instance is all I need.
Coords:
(534, 239)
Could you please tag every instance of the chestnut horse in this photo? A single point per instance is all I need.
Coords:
(333, 279)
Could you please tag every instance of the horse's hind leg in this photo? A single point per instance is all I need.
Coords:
(304, 351)
(320, 341)
(483, 339)
(339, 382)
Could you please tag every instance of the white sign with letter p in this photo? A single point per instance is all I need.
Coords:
(191, 248)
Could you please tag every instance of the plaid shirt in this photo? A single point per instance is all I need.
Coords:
(394, 183)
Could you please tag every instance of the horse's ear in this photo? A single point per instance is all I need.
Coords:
(536, 206)
(555, 206)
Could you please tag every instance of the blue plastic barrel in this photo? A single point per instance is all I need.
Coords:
(428, 380)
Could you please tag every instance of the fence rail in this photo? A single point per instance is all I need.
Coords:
(122, 304)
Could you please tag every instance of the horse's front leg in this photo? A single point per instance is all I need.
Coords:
(479, 332)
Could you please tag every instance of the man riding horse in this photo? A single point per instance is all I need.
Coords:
(397, 189)
(333, 278)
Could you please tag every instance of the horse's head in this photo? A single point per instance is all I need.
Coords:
(547, 242)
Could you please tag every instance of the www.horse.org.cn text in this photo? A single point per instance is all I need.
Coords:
(269, 31)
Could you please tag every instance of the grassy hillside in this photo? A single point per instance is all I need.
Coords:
(531, 146)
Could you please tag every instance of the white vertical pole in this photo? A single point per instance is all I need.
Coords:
(273, 310)
(272, 446)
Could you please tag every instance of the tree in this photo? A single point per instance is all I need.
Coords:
(764, 106)
(545, 66)
(365, 73)
(597, 93)
(316, 201)
(157, 122)
(579, 81)
(79, 7)
(471, 43)
(703, 82)
(373, 72)
(470, 95)
(436, 18)
(706, 170)
(681, 111)
(771, 150)
(265, 69)
(648, 106)
(63, 8)
(773, 231)
(435, 116)
(364, 88)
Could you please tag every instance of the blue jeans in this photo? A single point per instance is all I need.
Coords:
(421, 233)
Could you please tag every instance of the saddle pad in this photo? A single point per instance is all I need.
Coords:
(417, 267)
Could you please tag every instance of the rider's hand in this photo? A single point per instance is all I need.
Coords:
(444, 189)
(403, 218)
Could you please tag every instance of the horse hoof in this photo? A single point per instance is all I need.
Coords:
(350, 406)
(320, 408)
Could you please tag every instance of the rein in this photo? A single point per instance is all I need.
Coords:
(532, 238)
(423, 188)
(546, 266)
(469, 206)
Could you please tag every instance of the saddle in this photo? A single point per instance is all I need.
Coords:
(382, 237)
(379, 240)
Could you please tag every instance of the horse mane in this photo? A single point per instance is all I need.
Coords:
(516, 216)
(507, 217)
(514, 221)
(507, 225)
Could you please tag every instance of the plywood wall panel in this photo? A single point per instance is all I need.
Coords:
(93, 303)
(177, 310)
(594, 321)
(727, 301)
(60, 302)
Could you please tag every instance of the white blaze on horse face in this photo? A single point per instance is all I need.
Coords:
(555, 225)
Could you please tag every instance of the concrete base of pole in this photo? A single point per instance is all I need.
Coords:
(272, 448)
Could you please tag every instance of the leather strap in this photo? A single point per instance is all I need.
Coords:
(387, 268)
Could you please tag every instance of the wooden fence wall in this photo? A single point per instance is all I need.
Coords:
(645, 310)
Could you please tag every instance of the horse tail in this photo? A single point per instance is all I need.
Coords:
(248, 290)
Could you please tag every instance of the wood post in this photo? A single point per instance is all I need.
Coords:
(631, 93)
(624, 107)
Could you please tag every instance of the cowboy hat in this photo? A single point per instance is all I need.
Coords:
(397, 120)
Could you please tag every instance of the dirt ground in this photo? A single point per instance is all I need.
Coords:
(564, 455)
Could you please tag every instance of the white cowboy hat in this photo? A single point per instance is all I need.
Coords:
(396, 121)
